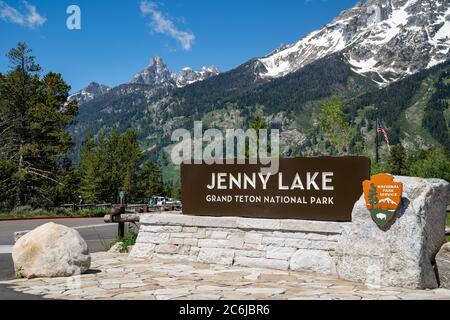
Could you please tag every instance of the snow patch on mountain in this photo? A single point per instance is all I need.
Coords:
(188, 76)
(385, 40)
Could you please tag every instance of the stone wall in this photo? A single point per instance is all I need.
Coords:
(278, 244)
(402, 256)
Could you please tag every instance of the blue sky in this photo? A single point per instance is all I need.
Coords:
(119, 37)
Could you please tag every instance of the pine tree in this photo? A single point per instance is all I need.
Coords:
(108, 165)
(373, 195)
(33, 140)
(149, 181)
(93, 171)
(258, 124)
(397, 160)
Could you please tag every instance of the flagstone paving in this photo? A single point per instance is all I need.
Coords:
(115, 276)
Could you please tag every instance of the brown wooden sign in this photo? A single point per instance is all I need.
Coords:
(322, 189)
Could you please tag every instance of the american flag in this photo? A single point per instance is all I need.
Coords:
(382, 129)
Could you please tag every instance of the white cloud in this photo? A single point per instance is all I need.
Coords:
(30, 17)
(161, 24)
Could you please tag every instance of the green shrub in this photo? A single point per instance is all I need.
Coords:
(433, 163)
(128, 240)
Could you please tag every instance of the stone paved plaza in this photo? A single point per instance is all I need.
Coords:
(116, 276)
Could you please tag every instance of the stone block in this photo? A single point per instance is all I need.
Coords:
(285, 242)
(161, 229)
(216, 234)
(312, 226)
(313, 261)
(200, 234)
(280, 253)
(191, 242)
(178, 241)
(316, 236)
(182, 235)
(142, 251)
(167, 249)
(184, 250)
(229, 243)
(261, 263)
(253, 238)
(289, 235)
(155, 238)
(255, 247)
(273, 241)
(250, 253)
(323, 245)
(258, 224)
(216, 256)
(194, 251)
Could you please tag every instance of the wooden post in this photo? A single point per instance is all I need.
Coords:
(121, 224)
(121, 230)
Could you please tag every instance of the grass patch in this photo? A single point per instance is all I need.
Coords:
(39, 213)
(128, 240)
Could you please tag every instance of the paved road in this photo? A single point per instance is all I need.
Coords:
(97, 234)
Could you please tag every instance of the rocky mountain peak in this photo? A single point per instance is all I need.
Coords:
(155, 73)
(92, 91)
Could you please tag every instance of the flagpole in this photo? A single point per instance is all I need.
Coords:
(377, 142)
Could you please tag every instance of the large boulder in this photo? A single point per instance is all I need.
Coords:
(49, 251)
(403, 255)
(443, 266)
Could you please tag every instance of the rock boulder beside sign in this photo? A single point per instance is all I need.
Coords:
(50, 251)
(403, 255)
(443, 266)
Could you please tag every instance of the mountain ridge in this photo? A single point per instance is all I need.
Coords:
(157, 72)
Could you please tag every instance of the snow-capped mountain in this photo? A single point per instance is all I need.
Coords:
(388, 201)
(383, 39)
(157, 73)
(188, 76)
(92, 91)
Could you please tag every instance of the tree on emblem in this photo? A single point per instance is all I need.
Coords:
(373, 196)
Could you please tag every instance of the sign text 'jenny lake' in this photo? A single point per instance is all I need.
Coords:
(323, 189)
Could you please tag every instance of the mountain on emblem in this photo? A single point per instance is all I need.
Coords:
(388, 200)
(383, 197)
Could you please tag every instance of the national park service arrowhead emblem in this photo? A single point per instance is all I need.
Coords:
(383, 197)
